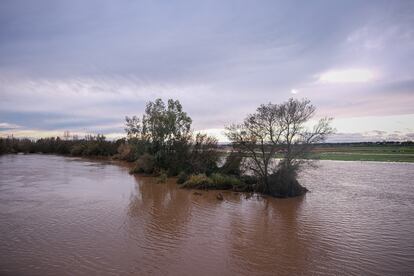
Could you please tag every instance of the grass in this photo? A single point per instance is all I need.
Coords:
(382, 153)
(215, 181)
(365, 157)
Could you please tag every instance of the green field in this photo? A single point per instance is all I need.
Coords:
(384, 153)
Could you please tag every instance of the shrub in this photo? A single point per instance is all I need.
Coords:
(92, 149)
(283, 183)
(182, 177)
(179, 160)
(162, 178)
(62, 148)
(224, 182)
(125, 152)
(215, 181)
(77, 150)
(144, 164)
(198, 181)
(232, 164)
(249, 179)
(134, 170)
(138, 147)
(204, 155)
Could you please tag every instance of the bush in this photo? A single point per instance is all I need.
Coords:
(232, 164)
(198, 181)
(162, 178)
(215, 181)
(204, 155)
(77, 150)
(182, 177)
(92, 149)
(283, 183)
(249, 179)
(62, 148)
(125, 152)
(224, 182)
(138, 148)
(144, 164)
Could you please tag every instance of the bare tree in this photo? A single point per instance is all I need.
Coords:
(66, 135)
(276, 129)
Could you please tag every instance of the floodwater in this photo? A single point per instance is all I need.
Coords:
(66, 216)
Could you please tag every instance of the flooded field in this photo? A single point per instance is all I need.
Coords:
(67, 216)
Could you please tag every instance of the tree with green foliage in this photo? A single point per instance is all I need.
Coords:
(204, 155)
(166, 128)
(164, 132)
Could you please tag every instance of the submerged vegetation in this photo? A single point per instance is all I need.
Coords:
(268, 148)
(162, 140)
(215, 181)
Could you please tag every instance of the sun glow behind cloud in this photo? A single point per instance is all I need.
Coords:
(347, 76)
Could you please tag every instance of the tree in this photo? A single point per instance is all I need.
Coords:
(279, 129)
(165, 125)
(133, 127)
(166, 128)
(204, 155)
(160, 124)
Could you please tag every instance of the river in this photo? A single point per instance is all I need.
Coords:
(68, 216)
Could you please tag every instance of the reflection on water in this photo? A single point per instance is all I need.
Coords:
(69, 216)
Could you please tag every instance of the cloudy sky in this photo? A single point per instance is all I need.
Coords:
(83, 66)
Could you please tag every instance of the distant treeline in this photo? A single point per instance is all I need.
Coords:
(345, 144)
(89, 146)
(385, 143)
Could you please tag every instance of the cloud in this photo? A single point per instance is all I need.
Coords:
(347, 76)
(85, 65)
(8, 126)
(219, 133)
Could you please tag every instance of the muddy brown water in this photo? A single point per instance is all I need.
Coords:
(66, 216)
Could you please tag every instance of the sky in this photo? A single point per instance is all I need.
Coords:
(83, 66)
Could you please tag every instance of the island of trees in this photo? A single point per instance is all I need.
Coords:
(162, 143)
